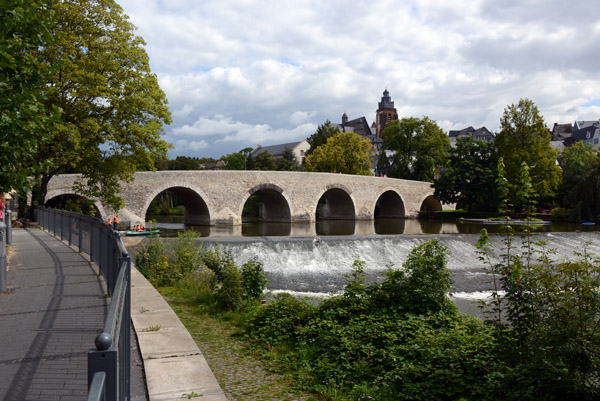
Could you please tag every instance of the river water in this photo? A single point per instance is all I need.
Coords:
(294, 263)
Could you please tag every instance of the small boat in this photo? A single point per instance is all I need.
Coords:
(129, 233)
(588, 223)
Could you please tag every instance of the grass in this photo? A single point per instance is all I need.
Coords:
(242, 373)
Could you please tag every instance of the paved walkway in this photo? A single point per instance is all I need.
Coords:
(49, 317)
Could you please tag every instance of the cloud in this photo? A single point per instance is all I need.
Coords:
(241, 73)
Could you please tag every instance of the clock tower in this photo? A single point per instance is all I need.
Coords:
(385, 113)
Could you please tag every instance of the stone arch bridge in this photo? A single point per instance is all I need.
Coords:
(218, 197)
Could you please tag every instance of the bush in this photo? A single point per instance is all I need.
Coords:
(280, 321)
(561, 213)
(153, 263)
(254, 278)
(185, 255)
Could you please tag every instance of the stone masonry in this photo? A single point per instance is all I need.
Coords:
(218, 197)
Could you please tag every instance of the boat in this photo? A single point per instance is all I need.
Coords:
(130, 233)
(588, 223)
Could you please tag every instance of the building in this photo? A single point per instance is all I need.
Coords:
(385, 113)
(298, 148)
(587, 131)
(481, 134)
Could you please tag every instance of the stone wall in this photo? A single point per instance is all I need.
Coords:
(221, 195)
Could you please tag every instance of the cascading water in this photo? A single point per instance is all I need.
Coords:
(298, 265)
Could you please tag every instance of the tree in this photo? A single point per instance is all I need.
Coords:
(577, 162)
(320, 137)
(237, 161)
(525, 138)
(262, 161)
(288, 161)
(417, 148)
(23, 33)
(469, 179)
(345, 152)
(110, 109)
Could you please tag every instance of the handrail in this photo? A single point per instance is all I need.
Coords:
(109, 364)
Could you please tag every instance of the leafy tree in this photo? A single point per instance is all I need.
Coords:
(110, 107)
(262, 161)
(23, 33)
(288, 161)
(418, 149)
(345, 152)
(586, 198)
(469, 179)
(525, 138)
(234, 161)
(320, 137)
(577, 162)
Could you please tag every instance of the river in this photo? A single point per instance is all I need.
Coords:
(293, 263)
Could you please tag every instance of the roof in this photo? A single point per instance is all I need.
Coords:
(584, 130)
(351, 125)
(275, 150)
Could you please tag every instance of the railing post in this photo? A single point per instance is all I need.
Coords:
(8, 227)
(104, 359)
(2, 257)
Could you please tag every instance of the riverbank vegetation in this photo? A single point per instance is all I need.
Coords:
(402, 338)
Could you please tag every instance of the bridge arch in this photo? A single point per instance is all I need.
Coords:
(389, 205)
(336, 203)
(51, 195)
(430, 204)
(274, 207)
(196, 208)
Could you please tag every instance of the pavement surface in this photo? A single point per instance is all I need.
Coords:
(54, 307)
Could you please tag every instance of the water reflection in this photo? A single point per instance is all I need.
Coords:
(171, 225)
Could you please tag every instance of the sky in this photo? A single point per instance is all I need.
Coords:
(239, 73)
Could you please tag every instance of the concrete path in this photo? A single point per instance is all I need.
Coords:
(54, 308)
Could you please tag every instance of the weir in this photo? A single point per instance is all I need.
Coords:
(295, 264)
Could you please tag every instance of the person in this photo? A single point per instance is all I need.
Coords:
(2, 205)
(115, 222)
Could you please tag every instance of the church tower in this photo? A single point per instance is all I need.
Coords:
(385, 113)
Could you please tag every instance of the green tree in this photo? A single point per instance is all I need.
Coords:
(469, 179)
(525, 138)
(418, 149)
(288, 161)
(262, 161)
(110, 108)
(345, 152)
(23, 33)
(234, 161)
(320, 137)
(577, 162)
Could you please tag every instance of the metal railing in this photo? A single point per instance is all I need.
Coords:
(5, 239)
(109, 365)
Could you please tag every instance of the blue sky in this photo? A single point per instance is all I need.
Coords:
(245, 72)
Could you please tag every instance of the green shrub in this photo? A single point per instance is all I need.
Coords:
(185, 255)
(561, 213)
(153, 263)
(230, 290)
(279, 321)
(254, 278)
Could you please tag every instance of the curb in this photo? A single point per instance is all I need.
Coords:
(174, 365)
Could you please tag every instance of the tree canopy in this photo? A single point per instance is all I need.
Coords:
(23, 33)
(524, 137)
(103, 107)
(345, 152)
(577, 162)
(414, 149)
(287, 162)
(469, 179)
(320, 137)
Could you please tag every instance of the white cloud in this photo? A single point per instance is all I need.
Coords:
(239, 73)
